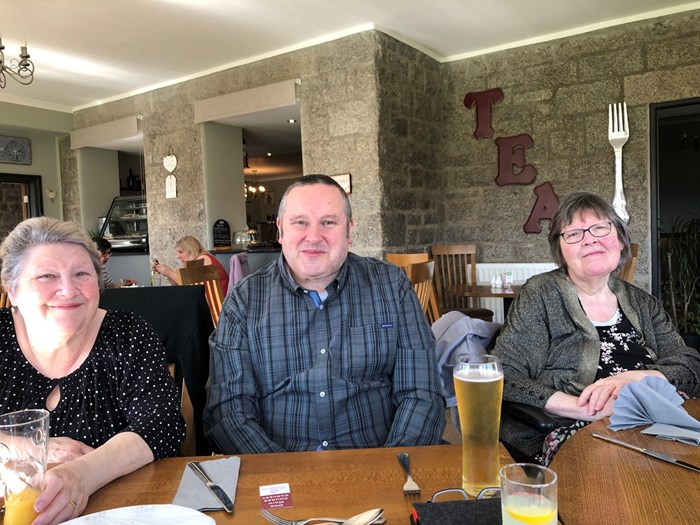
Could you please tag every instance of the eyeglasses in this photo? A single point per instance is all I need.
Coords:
(106, 253)
(600, 229)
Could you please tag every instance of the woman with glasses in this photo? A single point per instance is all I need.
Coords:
(575, 336)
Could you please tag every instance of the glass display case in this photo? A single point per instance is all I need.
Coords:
(126, 225)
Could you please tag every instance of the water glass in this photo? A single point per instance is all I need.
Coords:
(528, 495)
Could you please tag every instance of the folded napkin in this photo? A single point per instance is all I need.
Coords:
(654, 401)
(194, 494)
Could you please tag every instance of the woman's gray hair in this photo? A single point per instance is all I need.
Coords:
(36, 231)
(577, 204)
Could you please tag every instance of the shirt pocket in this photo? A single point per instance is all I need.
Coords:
(369, 351)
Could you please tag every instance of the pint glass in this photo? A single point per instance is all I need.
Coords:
(479, 389)
(24, 446)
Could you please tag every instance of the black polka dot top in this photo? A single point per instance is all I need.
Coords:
(123, 385)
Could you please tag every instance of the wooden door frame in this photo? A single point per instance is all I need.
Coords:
(35, 203)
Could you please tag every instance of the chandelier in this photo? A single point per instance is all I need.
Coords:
(21, 70)
(254, 189)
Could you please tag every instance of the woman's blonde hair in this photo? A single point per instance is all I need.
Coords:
(190, 245)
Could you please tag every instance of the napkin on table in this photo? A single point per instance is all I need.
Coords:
(654, 401)
(193, 493)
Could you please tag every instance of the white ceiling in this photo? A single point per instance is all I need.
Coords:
(87, 52)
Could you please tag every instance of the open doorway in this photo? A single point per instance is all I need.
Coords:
(20, 198)
(675, 166)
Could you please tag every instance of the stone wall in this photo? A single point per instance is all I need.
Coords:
(338, 126)
(558, 92)
(395, 119)
(10, 207)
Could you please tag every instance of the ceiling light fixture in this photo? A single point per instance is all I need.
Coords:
(291, 120)
(21, 70)
(254, 188)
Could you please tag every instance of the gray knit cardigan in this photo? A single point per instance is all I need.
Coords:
(548, 344)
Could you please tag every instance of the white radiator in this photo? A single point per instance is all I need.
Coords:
(521, 272)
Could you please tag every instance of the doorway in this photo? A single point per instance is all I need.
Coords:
(20, 198)
(675, 163)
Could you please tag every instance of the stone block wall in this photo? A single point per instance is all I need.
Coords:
(395, 119)
(10, 207)
(338, 125)
(558, 92)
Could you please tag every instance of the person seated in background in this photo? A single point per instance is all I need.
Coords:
(102, 375)
(576, 335)
(190, 249)
(322, 349)
(104, 248)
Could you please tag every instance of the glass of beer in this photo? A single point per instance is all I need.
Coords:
(479, 389)
(24, 447)
(528, 495)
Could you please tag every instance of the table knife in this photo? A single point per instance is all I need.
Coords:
(652, 453)
(215, 489)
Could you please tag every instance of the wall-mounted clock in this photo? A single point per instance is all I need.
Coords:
(15, 150)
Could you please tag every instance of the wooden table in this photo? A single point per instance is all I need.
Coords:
(486, 290)
(328, 483)
(604, 483)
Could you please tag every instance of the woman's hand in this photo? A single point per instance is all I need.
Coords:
(565, 405)
(597, 395)
(64, 496)
(62, 449)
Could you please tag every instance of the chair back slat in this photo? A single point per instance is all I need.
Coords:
(627, 271)
(209, 277)
(456, 264)
(403, 260)
(421, 276)
(4, 298)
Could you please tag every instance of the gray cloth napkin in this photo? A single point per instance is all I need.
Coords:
(654, 401)
(193, 493)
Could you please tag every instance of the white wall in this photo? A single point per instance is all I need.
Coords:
(98, 175)
(222, 165)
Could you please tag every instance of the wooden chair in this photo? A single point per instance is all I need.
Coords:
(4, 299)
(456, 264)
(209, 277)
(421, 275)
(196, 262)
(627, 271)
(403, 260)
(188, 447)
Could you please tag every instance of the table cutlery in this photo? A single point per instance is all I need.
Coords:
(652, 453)
(410, 488)
(374, 516)
(277, 520)
(370, 517)
(215, 489)
(618, 133)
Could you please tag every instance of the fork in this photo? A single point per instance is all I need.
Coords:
(618, 133)
(273, 518)
(410, 488)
